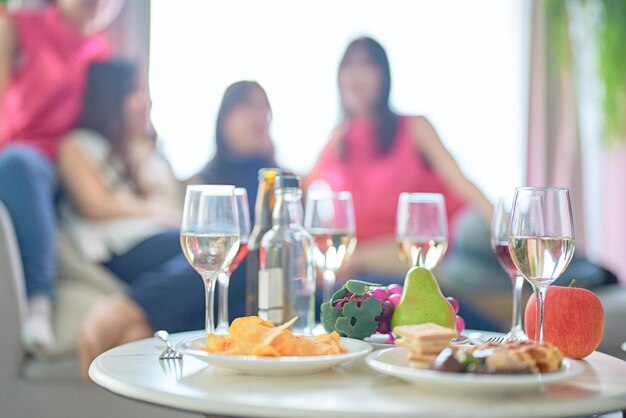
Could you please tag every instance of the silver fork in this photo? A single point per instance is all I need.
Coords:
(169, 353)
(499, 340)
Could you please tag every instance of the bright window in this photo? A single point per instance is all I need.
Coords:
(462, 64)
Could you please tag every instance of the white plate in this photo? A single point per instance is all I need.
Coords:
(394, 362)
(378, 341)
(273, 366)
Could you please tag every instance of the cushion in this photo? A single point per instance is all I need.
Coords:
(80, 283)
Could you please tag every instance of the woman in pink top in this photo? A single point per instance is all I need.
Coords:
(377, 154)
(44, 56)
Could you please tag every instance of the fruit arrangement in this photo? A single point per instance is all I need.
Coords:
(360, 309)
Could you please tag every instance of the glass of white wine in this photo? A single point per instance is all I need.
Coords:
(421, 229)
(329, 217)
(209, 235)
(541, 239)
(223, 280)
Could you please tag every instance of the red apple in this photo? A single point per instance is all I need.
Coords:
(573, 320)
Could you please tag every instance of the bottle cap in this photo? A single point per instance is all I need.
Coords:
(287, 181)
(272, 171)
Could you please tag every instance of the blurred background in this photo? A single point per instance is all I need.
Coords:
(521, 92)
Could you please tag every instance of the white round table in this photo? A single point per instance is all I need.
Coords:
(352, 390)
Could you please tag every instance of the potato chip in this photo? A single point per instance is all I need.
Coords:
(253, 336)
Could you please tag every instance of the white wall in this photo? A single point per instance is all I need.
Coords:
(461, 63)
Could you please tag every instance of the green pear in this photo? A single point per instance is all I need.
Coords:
(422, 302)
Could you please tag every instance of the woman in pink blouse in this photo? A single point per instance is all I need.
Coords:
(377, 154)
(44, 56)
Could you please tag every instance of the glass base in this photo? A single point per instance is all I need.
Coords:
(318, 329)
(222, 330)
(516, 335)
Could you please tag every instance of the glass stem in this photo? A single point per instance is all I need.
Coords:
(540, 295)
(516, 321)
(209, 287)
(328, 284)
(223, 322)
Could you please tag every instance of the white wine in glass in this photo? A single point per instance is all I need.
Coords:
(329, 218)
(541, 240)
(421, 229)
(209, 236)
(423, 252)
(208, 253)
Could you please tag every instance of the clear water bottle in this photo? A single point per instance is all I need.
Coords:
(287, 273)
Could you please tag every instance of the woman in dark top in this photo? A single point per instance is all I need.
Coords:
(242, 147)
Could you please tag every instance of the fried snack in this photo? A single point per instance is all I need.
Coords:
(425, 342)
(253, 336)
(539, 357)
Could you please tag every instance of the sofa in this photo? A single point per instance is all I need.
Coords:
(51, 386)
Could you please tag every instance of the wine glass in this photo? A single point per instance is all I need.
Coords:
(421, 229)
(541, 239)
(223, 279)
(500, 247)
(209, 235)
(330, 219)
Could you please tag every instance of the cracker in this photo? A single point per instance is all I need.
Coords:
(425, 332)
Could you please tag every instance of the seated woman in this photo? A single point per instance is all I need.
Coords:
(377, 154)
(122, 209)
(242, 147)
(44, 55)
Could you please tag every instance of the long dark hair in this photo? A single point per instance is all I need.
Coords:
(235, 95)
(386, 119)
(109, 83)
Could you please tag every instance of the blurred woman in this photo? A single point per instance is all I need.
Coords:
(242, 147)
(377, 154)
(242, 139)
(122, 209)
(44, 55)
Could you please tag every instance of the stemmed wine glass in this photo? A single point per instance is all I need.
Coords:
(330, 219)
(223, 279)
(421, 229)
(541, 239)
(500, 246)
(209, 235)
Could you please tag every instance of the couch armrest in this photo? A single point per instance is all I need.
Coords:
(12, 301)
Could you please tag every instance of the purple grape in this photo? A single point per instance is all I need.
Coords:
(383, 328)
(460, 324)
(394, 289)
(380, 294)
(384, 319)
(387, 309)
(454, 303)
(395, 299)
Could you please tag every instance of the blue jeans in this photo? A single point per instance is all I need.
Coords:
(162, 282)
(168, 289)
(28, 184)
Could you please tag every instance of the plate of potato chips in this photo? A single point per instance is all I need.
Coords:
(258, 347)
